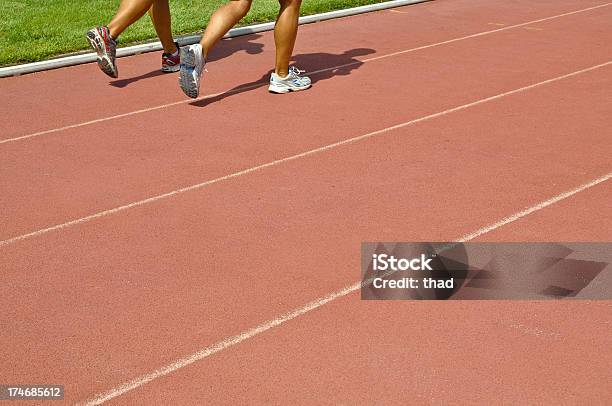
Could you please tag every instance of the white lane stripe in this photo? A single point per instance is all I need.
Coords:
(250, 87)
(290, 158)
(532, 209)
(277, 321)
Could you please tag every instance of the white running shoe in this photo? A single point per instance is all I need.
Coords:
(192, 65)
(293, 82)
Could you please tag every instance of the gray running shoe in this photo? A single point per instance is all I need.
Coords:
(192, 65)
(100, 40)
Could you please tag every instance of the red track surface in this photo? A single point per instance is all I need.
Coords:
(103, 300)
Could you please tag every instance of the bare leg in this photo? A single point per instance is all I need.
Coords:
(160, 16)
(222, 21)
(285, 33)
(129, 12)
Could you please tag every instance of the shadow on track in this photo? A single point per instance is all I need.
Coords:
(230, 46)
(320, 66)
(125, 82)
(226, 47)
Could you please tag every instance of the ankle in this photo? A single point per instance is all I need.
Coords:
(112, 32)
(204, 51)
(172, 50)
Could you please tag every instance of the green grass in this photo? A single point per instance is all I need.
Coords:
(34, 30)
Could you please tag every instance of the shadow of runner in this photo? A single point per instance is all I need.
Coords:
(319, 66)
(230, 46)
(124, 82)
(226, 47)
(322, 65)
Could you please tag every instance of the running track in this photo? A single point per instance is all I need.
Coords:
(156, 250)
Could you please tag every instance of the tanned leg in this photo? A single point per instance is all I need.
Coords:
(285, 33)
(129, 12)
(222, 21)
(160, 16)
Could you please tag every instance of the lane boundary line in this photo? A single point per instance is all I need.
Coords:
(256, 85)
(256, 168)
(313, 305)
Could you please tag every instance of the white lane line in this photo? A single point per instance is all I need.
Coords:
(289, 158)
(532, 209)
(277, 321)
(253, 86)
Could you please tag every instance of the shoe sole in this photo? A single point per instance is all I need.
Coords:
(188, 60)
(284, 90)
(104, 62)
(169, 69)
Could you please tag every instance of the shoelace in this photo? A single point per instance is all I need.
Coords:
(295, 72)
